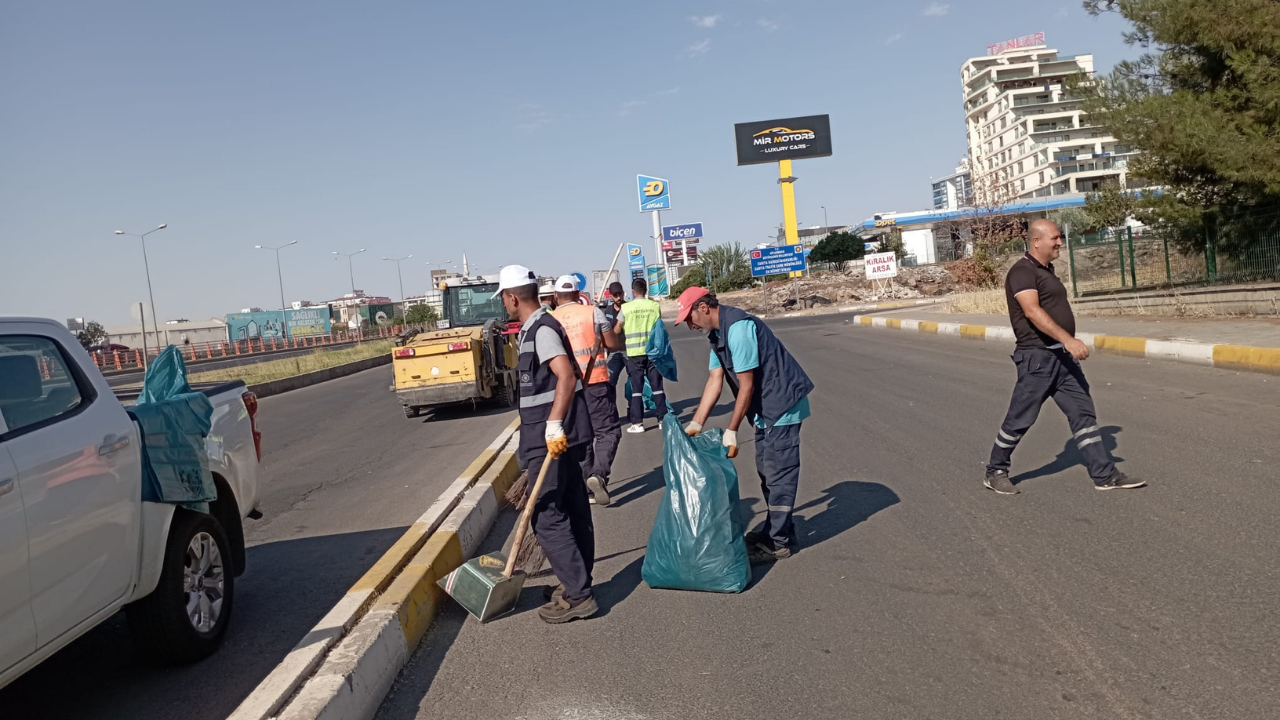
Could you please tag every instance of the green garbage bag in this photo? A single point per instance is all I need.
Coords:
(696, 542)
(647, 394)
(174, 422)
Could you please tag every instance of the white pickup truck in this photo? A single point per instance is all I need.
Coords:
(77, 543)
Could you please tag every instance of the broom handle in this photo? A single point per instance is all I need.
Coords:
(524, 517)
(537, 488)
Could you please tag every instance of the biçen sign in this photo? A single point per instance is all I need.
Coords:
(786, 139)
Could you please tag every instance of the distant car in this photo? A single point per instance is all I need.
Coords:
(106, 351)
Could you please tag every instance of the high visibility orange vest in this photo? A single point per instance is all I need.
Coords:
(579, 322)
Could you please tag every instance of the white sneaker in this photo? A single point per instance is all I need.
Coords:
(637, 428)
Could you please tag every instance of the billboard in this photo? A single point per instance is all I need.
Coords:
(674, 256)
(655, 193)
(786, 139)
(1025, 41)
(673, 234)
(777, 260)
(635, 260)
(272, 323)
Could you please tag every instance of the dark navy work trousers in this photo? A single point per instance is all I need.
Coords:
(778, 464)
(562, 521)
(1044, 374)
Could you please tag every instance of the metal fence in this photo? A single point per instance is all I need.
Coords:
(1141, 258)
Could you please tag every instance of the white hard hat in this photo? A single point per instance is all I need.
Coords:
(514, 276)
(566, 284)
(547, 290)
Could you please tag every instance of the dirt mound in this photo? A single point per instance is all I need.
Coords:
(834, 288)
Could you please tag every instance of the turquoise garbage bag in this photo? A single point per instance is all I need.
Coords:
(647, 395)
(660, 353)
(696, 542)
(174, 422)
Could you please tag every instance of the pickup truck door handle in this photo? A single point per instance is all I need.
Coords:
(112, 443)
(6, 486)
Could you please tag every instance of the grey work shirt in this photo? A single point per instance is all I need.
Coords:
(546, 343)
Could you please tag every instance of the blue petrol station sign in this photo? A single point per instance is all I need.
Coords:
(655, 193)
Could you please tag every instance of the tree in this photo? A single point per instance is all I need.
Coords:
(839, 247)
(92, 334)
(992, 231)
(1111, 206)
(728, 267)
(1072, 220)
(420, 314)
(892, 242)
(1202, 104)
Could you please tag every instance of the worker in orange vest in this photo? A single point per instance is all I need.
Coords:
(590, 332)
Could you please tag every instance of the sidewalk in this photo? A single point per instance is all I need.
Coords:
(1257, 332)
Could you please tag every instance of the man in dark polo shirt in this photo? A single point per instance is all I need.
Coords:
(1047, 357)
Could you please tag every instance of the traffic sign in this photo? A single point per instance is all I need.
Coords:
(777, 260)
(690, 232)
(581, 280)
(655, 193)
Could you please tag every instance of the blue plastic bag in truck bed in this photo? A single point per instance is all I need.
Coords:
(174, 422)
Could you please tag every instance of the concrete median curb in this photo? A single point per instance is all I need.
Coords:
(352, 646)
(1229, 357)
(294, 382)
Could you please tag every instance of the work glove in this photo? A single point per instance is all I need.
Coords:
(557, 443)
(693, 428)
(730, 441)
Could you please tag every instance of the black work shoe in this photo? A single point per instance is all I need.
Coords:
(562, 611)
(599, 490)
(998, 480)
(761, 553)
(1120, 481)
(553, 592)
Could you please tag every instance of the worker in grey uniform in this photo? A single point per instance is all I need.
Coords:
(1048, 359)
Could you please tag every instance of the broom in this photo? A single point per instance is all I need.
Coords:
(530, 556)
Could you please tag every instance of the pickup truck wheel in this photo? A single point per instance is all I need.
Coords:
(411, 412)
(184, 619)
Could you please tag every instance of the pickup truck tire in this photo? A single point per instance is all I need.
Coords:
(411, 412)
(184, 619)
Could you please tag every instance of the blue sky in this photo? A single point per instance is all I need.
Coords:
(509, 130)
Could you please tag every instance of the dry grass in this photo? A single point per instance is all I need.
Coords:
(298, 365)
(979, 301)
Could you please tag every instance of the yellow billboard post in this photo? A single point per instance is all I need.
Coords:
(788, 205)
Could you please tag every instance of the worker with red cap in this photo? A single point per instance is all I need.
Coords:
(772, 390)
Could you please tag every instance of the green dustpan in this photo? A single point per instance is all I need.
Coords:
(489, 586)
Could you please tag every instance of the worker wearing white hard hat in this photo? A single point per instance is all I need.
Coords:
(555, 430)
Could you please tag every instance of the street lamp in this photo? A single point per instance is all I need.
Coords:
(147, 269)
(824, 216)
(350, 272)
(398, 275)
(284, 312)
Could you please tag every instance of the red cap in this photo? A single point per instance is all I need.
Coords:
(687, 300)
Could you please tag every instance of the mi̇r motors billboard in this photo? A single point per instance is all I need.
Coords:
(787, 139)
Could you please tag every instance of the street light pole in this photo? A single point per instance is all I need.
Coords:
(284, 311)
(351, 273)
(824, 217)
(147, 268)
(398, 274)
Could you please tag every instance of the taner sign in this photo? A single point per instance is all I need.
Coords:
(786, 139)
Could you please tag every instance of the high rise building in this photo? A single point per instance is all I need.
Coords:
(955, 190)
(1028, 136)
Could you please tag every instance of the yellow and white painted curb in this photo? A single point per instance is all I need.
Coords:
(1231, 357)
(344, 666)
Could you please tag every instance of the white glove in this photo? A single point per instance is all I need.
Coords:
(555, 429)
(693, 428)
(730, 441)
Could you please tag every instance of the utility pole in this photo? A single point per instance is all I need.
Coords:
(147, 269)
(284, 310)
(350, 272)
(398, 275)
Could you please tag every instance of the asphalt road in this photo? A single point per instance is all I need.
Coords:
(917, 593)
(344, 474)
